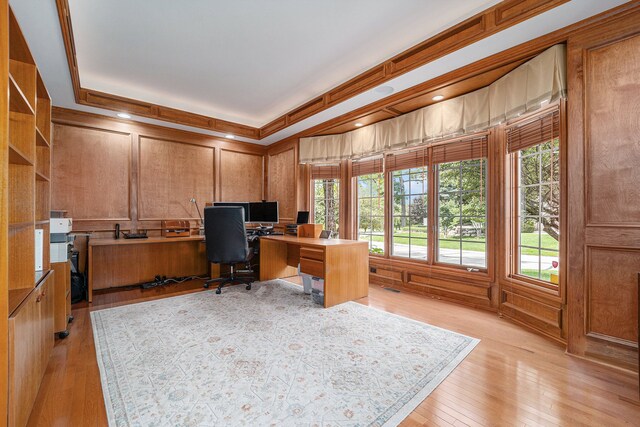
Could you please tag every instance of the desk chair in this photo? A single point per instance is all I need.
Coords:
(226, 241)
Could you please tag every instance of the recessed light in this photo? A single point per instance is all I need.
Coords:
(438, 98)
(123, 115)
(359, 125)
(384, 90)
(229, 136)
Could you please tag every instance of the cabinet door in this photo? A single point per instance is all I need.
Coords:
(24, 344)
(30, 344)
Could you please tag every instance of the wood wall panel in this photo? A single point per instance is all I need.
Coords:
(240, 176)
(612, 310)
(170, 174)
(92, 169)
(603, 71)
(162, 170)
(282, 185)
(611, 71)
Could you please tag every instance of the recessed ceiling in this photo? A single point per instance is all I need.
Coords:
(246, 61)
(193, 55)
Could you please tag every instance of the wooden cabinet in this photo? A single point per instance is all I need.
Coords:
(30, 344)
(62, 296)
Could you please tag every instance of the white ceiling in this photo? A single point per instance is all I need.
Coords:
(250, 60)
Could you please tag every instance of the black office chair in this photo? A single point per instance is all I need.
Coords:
(226, 241)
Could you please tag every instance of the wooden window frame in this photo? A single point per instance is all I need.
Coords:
(312, 210)
(392, 216)
(435, 224)
(483, 274)
(512, 207)
(356, 209)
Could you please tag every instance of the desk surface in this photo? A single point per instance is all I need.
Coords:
(308, 241)
(148, 240)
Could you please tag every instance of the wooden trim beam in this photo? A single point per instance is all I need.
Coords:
(484, 24)
(522, 52)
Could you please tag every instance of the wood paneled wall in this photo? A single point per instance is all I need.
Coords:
(244, 169)
(170, 174)
(604, 192)
(283, 179)
(92, 169)
(108, 171)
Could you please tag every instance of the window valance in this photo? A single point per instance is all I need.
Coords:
(524, 89)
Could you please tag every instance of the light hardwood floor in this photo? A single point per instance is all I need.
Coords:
(512, 378)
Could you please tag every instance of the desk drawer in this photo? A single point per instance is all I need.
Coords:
(312, 267)
(312, 253)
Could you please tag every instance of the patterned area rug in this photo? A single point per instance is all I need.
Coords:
(265, 357)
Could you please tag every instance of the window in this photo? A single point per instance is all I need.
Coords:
(371, 211)
(409, 215)
(462, 202)
(326, 203)
(410, 196)
(536, 150)
(326, 196)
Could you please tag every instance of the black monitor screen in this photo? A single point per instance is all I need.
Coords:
(263, 212)
(242, 204)
(303, 217)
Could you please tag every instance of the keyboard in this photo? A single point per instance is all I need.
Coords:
(135, 235)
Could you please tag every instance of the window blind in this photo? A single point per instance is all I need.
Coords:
(407, 160)
(468, 149)
(540, 130)
(325, 171)
(366, 167)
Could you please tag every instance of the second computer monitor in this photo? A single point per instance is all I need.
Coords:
(303, 217)
(263, 212)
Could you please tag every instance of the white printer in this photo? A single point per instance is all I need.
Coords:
(61, 240)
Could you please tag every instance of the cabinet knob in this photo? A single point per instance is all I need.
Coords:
(39, 298)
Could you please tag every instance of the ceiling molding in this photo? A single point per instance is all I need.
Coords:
(491, 21)
(514, 56)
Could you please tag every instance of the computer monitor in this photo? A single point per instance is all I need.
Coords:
(245, 205)
(264, 212)
(303, 217)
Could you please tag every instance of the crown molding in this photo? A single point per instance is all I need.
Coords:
(482, 25)
(514, 55)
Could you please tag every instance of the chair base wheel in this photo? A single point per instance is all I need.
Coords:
(218, 291)
(206, 286)
(248, 287)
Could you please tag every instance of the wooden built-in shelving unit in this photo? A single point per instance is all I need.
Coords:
(29, 167)
(30, 292)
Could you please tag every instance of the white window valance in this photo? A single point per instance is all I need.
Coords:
(524, 89)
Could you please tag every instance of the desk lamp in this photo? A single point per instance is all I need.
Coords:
(194, 201)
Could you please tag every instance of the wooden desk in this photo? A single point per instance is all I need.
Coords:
(343, 264)
(123, 262)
